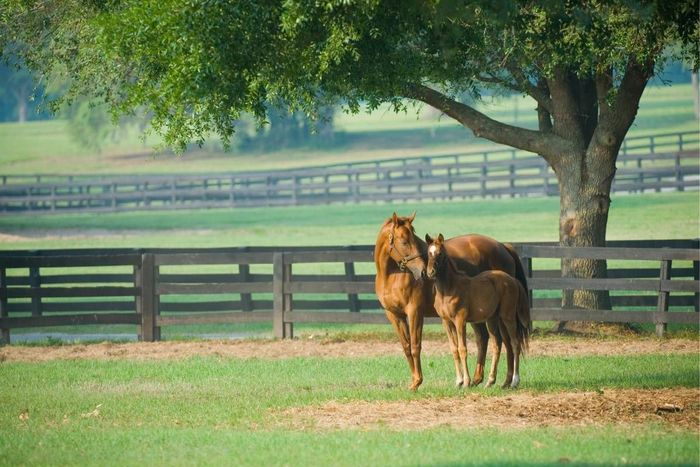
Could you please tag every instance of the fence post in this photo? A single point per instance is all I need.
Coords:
(352, 297)
(527, 269)
(662, 306)
(149, 331)
(5, 332)
(278, 280)
(35, 286)
(679, 173)
(484, 175)
(246, 298)
(696, 277)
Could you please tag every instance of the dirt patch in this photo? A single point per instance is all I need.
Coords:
(273, 349)
(679, 408)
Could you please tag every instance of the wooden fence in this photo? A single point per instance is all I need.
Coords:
(159, 288)
(656, 162)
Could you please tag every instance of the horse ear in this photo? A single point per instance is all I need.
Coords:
(428, 239)
(411, 217)
(395, 219)
(441, 239)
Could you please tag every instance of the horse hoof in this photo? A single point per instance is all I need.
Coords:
(414, 386)
(506, 385)
(515, 383)
(490, 383)
(459, 383)
(475, 383)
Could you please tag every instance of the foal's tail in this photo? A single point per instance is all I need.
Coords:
(524, 323)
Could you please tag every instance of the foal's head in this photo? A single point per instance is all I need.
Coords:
(436, 254)
(403, 244)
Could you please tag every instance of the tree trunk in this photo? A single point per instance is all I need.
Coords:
(585, 180)
(21, 110)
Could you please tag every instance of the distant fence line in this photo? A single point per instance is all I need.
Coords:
(655, 162)
(156, 288)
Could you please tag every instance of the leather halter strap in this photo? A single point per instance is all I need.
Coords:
(403, 262)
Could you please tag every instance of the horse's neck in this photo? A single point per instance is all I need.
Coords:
(448, 277)
(382, 258)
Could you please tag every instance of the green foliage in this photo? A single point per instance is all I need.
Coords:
(198, 66)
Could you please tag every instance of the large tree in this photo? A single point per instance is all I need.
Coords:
(197, 65)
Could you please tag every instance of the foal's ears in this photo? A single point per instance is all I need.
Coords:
(428, 239)
(395, 219)
(411, 217)
(441, 239)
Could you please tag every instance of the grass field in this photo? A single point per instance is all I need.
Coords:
(217, 410)
(647, 216)
(37, 146)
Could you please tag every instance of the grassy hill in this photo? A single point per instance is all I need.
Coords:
(45, 146)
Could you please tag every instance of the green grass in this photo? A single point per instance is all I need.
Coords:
(207, 410)
(36, 147)
(648, 216)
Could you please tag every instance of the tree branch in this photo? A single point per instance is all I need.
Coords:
(617, 118)
(547, 145)
(603, 85)
(536, 92)
(565, 111)
(544, 116)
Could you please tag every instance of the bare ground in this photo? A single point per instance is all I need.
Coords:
(271, 349)
(672, 408)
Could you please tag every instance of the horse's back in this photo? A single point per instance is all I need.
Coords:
(476, 253)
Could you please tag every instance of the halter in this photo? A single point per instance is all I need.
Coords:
(403, 262)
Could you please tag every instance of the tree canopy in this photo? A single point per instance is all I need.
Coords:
(197, 65)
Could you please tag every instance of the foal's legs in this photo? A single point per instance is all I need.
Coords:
(452, 339)
(461, 327)
(496, 342)
(515, 346)
(505, 334)
(481, 336)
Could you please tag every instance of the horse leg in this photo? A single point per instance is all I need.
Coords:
(496, 342)
(461, 328)
(515, 345)
(503, 327)
(401, 327)
(452, 338)
(481, 336)
(415, 329)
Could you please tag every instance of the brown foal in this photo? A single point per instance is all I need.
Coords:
(492, 297)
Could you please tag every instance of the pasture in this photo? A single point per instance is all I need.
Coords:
(320, 402)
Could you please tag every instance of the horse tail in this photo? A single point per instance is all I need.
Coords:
(524, 322)
(519, 271)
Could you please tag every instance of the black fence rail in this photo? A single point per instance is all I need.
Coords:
(656, 162)
(654, 282)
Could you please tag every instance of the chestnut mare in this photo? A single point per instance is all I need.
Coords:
(491, 297)
(400, 257)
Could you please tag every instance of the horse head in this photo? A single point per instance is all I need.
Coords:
(403, 247)
(436, 254)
